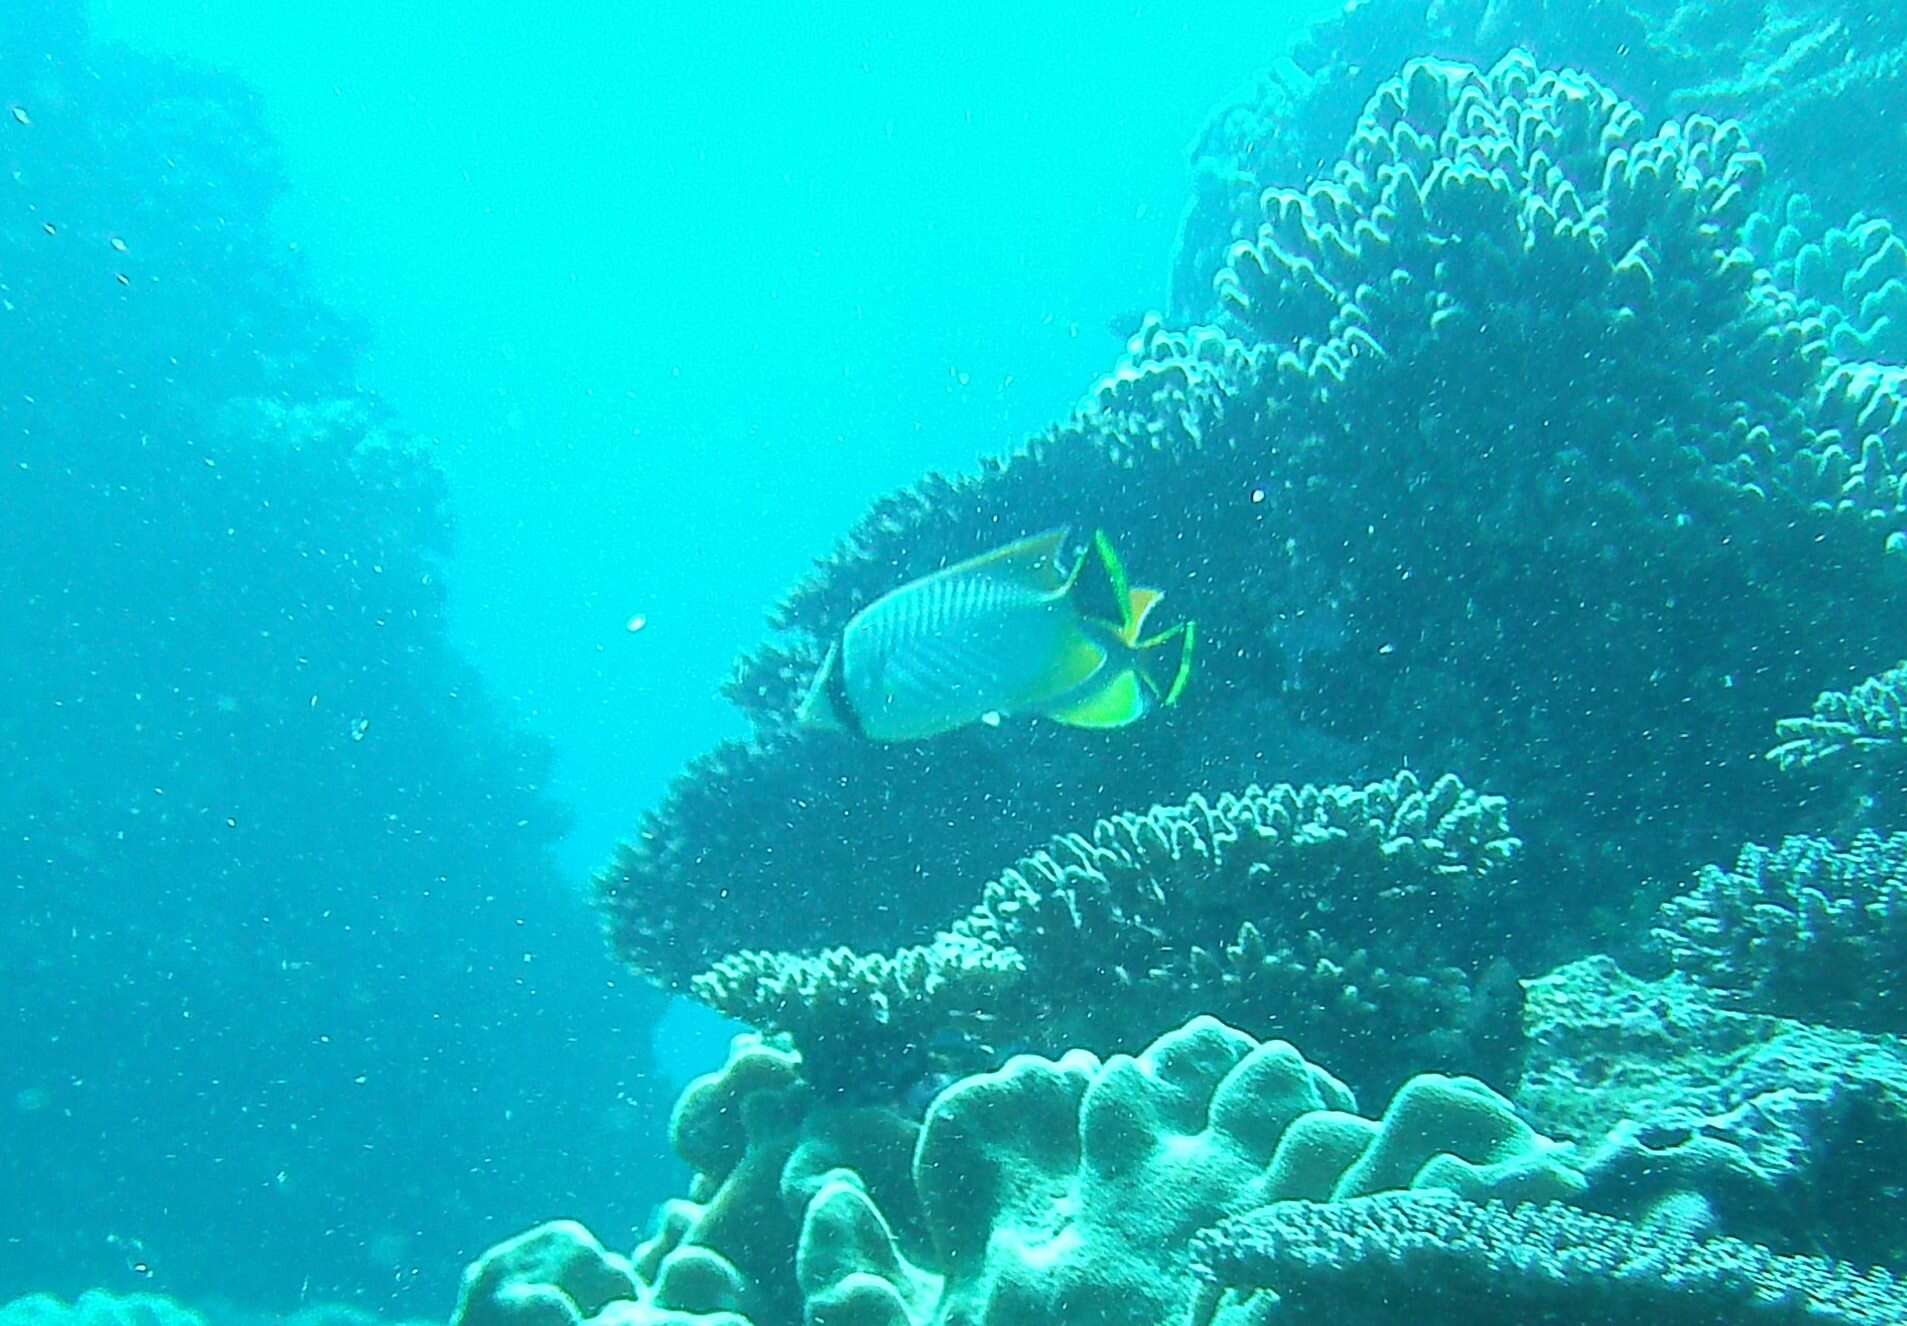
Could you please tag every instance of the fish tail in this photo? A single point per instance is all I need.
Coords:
(1164, 661)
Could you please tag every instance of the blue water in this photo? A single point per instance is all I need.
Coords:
(307, 1002)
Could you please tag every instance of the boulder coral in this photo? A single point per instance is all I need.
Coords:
(1047, 1187)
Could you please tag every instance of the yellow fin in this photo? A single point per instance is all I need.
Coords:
(1165, 661)
(1032, 561)
(1074, 664)
(1139, 602)
(1121, 700)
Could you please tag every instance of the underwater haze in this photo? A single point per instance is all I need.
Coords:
(862, 666)
(642, 305)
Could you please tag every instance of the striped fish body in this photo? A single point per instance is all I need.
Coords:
(1004, 633)
(960, 645)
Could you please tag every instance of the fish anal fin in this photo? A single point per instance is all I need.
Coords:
(1118, 701)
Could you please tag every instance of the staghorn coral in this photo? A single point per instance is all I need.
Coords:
(1395, 1257)
(1807, 930)
(1864, 725)
(1355, 921)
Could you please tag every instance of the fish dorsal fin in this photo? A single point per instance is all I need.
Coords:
(1032, 561)
(1119, 701)
(1139, 605)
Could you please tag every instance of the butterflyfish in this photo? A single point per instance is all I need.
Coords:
(1005, 634)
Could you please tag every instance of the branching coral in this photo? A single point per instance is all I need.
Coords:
(1852, 277)
(1807, 930)
(1355, 921)
(1399, 1257)
(1866, 725)
(1793, 71)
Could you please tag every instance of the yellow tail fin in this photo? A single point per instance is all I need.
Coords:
(1165, 661)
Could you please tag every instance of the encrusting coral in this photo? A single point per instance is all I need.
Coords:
(1355, 921)
(1781, 1126)
(1500, 385)
(1807, 930)
(1399, 1258)
(1048, 1187)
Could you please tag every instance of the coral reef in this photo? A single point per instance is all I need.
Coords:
(1866, 724)
(262, 816)
(1356, 922)
(1782, 1127)
(1393, 1258)
(1050, 1185)
(1381, 537)
(1795, 72)
(1808, 930)
(100, 1307)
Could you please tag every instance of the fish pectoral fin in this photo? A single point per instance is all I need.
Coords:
(1119, 700)
(819, 710)
(1165, 661)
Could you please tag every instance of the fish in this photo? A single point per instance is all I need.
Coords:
(1004, 634)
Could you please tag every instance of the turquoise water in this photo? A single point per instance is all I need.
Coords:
(441, 447)
(673, 294)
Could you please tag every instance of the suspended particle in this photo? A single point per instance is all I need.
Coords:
(50, 228)
(636, 623)
(122, 278)
(20, 116)
(119, 245)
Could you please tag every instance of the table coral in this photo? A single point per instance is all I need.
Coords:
(1356, 921)
(1865, 724)
(1781, 1126)
(1400, 1257)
